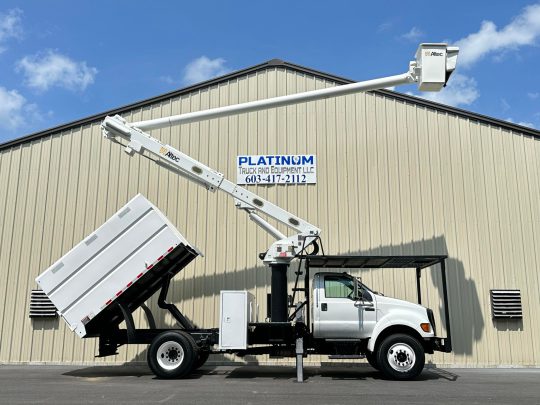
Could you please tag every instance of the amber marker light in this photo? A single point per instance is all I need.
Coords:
(425, 327)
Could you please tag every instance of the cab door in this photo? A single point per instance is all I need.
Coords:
(340, 315)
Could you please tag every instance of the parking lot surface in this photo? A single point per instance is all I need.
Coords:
(264, 385)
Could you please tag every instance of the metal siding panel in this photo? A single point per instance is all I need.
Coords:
(470, 257)
(24, 326)
(500, 218)
(13, 306)
(531, 221)
(520, 343)
(349, 172)
(66, 210)
(8, 259)
(38, 326)
(21, 346)
(5, 238)
(455, 233)
(483, 277)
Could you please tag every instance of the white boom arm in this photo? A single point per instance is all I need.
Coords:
(283, 250)
(433, 65)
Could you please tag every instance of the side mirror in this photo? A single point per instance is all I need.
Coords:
(364, 304)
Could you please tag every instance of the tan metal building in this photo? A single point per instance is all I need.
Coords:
(396, 175)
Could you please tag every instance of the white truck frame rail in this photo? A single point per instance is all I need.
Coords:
(432, 68)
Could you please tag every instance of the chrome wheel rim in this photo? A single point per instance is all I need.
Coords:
(170, 355)
(401, 357)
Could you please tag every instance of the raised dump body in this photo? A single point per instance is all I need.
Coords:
(124, 260)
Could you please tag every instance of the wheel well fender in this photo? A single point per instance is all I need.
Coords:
(392, 330)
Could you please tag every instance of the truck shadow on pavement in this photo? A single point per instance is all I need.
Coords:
(252, 372)
(333, 372)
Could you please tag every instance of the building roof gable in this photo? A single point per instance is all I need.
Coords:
(273, 63)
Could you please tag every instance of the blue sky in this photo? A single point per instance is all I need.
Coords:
(64, 60)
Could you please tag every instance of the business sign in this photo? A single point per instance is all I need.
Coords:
(276, 169)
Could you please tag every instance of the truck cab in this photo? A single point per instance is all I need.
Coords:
(393, 334)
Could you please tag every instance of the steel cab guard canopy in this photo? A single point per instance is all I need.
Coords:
(387, 262)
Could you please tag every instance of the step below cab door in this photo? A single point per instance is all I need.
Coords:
(337, 314)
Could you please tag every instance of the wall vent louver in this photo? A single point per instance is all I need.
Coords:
(506, 304)
(40, 305)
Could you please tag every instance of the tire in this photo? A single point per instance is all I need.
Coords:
(371, 357)
(172, 354)
(400, 357)
(201, 359)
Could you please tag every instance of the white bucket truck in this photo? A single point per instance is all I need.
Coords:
(101, 281)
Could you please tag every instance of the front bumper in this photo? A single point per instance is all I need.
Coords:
(441, 344)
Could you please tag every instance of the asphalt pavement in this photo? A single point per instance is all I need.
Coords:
(264, 385)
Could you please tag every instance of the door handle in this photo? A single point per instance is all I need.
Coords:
(324, 306)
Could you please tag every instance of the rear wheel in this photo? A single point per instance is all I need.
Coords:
(172, 354)
(401, 357)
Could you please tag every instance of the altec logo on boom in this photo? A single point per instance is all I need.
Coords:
(432, 53)
(169, 154)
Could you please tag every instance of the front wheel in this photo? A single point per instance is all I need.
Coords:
(401, 357)
(172, 354)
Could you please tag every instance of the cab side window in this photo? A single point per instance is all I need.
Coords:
(338, 287)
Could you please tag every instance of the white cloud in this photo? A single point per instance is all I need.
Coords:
(50, 68)
(11, 108)
(533, 96)
(16, 112)
(413, 35)
(461, 90)
(10, 26)
(505, 105)
(203, 68)
(385, 26)
(522, 30)
(522, 123)
(168, 80)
